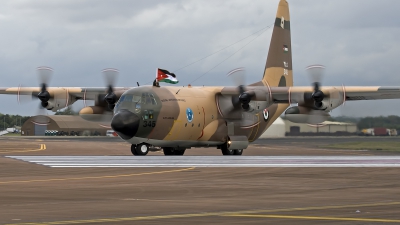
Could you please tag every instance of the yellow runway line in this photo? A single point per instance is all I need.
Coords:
(318, 208)
(115, 220)
(42, 148)
(236, 213)
(317, 218)
(99, 177)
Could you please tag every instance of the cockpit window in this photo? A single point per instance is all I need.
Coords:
(137, 100)
(128, 98)
(148, 99)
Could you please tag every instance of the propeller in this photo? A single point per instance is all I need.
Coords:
(317, 113)
(110, 76)
(316, 72)
(238, 77)
(44, 75)
(239, 110)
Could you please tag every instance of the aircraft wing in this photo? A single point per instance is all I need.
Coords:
(88, 93)
(297, 94)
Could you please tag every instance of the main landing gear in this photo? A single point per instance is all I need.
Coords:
(226, 151)
(140, 149)
(173, 151)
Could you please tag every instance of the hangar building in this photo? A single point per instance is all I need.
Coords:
(282, 128)
(325, 128)
(66, 124)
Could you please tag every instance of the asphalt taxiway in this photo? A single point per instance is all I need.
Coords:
(34, 192)
(212, 161)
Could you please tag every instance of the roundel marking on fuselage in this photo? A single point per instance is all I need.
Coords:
(265, 114)
(189, 115)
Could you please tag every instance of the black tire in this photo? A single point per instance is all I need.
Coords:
(173, 151)
(238, 152)
(142, 149)
(226, 151)
(133, 150)
(168, 151)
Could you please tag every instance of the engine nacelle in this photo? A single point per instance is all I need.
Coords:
(229, 99)
(96, 114)
(50, 105)
(332, 101)
(300, 114)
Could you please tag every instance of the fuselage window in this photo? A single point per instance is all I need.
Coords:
(153, 100)
(137, 101)
(148, 99)
(144, 98)
(121, 99)
(128, 98)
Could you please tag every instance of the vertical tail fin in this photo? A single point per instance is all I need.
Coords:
(278, 68)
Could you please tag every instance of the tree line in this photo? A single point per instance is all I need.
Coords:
(8, 121)
(390, 122)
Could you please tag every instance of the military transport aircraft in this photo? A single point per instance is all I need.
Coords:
(227, 118)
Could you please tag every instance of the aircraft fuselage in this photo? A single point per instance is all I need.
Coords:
(182, 117)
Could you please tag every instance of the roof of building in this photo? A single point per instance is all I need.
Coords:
(74, 122)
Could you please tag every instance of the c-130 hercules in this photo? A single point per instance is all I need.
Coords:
(227, 118)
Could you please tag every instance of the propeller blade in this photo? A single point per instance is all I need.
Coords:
(238, 76)
(41, 117)
(24, 95)
(110, 76)
(316, 73)
(44, 75)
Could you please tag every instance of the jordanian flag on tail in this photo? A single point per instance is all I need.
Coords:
(166, 76)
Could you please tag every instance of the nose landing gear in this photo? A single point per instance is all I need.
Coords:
(140, 149)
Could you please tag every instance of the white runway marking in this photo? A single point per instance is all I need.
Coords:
(212, 161)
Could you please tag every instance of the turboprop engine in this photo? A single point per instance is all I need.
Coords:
(314, 106)
(102, 111)
(334, 99)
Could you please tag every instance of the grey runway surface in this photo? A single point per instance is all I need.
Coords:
(212, 161)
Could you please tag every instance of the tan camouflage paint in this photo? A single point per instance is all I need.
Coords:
(208, 126)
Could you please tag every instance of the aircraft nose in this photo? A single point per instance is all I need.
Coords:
(125, 123)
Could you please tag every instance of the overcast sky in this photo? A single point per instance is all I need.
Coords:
(358, 42)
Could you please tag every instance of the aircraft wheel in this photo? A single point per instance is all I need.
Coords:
(142, 149)
(226, 151)
(168, 151)
(133, 150)
(173, 151)
(238, 151)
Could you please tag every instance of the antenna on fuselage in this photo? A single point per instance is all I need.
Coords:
(138, 84)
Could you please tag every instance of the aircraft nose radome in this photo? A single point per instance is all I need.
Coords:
(125, 123)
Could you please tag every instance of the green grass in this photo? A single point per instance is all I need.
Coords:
(12, 134)
(385, 146)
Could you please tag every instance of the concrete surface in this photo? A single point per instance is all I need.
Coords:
(35, 194)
